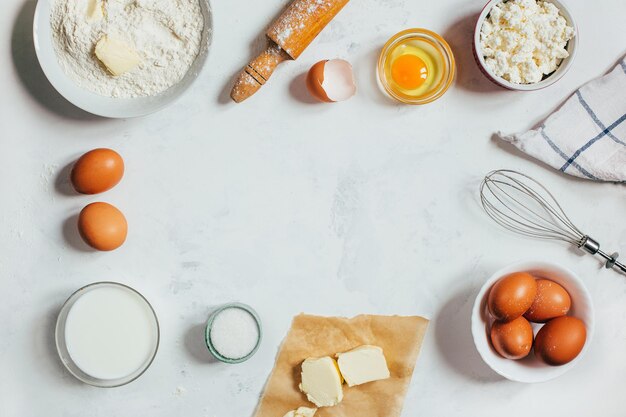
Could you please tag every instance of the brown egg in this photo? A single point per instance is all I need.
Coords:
(102, 226)
(552, 300)
(97, 171)
(512, 339)
(511, 296)
(560, 340)
(331, 80)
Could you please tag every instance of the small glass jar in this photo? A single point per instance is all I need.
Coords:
(443, 65)
(209, 326)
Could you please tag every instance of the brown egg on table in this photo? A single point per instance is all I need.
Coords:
(102, 226)
(97, 171)
(331, 80)
(512, 339)
(552, 300)
(512, 296)
(560, 340)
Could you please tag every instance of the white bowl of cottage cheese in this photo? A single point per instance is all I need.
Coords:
(122, 58)
(525, 44)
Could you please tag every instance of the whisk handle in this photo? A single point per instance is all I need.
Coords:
(612, 262)
(593, 247)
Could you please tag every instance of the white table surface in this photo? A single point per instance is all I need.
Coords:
(361, 207)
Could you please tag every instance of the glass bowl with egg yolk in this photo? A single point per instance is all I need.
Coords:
(416, 66)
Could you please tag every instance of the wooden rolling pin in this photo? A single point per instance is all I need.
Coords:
(288, 37)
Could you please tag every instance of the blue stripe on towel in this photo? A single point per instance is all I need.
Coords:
(595, 118)
(623, 64)
(592, 141)
(560, 152)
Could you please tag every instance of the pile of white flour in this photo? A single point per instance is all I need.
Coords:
(167, 35)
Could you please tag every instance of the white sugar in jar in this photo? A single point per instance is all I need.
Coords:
(233, 333)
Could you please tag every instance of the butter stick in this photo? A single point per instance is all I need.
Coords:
(301, 412)
(321, 381)
(362, 365)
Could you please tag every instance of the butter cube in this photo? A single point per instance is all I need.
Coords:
(95, 10)
(302, 412)
(321, 381)
(116, 55)
(363, 364)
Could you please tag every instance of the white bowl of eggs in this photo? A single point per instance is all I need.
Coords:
(532, 321)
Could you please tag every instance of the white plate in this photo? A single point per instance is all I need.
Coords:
(106, 106)
(531, 369)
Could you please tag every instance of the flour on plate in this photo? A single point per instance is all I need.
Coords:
(167, 35)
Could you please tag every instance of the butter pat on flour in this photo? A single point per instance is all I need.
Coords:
(95, 10)
(116, 55)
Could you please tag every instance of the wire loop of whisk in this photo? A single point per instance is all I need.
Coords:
(523, 205)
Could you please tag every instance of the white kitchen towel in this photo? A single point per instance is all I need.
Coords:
(586, 137)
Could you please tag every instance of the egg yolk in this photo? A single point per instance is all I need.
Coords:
(409, 71)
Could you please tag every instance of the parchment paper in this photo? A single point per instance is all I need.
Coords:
(314, 336)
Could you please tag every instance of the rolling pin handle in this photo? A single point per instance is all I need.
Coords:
(257, 72)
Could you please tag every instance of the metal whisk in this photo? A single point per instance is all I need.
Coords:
(523, 205)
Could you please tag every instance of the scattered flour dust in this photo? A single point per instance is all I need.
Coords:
(167, 35)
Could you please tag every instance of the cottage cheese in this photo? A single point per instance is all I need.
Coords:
(523, 40)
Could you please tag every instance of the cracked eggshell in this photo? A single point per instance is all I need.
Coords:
(331, 80)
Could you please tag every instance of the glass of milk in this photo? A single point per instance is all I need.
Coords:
(107, 334)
